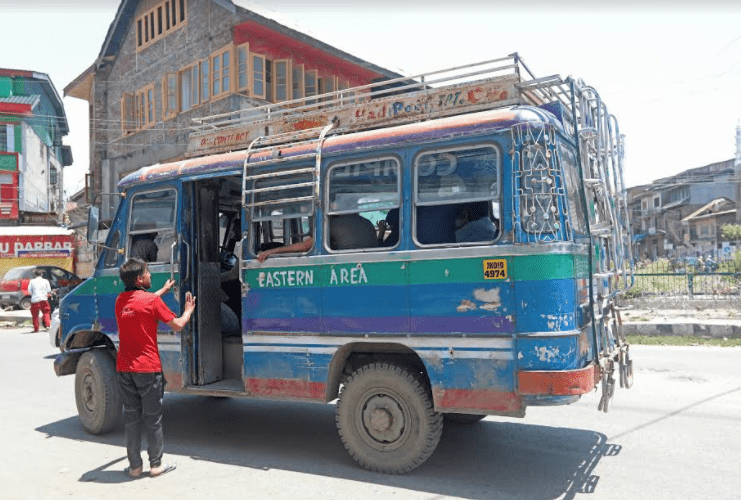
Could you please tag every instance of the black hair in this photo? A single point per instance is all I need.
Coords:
(130, 270)
(38, 272)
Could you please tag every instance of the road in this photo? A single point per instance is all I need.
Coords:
(675, 434)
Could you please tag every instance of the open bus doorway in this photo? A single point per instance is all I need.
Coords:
(218, 345)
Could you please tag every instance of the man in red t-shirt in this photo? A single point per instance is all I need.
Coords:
(138, 364)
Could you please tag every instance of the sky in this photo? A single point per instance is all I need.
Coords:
(669, 71)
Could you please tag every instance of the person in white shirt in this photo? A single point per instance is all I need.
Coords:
(40, 290)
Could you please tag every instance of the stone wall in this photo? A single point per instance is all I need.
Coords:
(208, 28)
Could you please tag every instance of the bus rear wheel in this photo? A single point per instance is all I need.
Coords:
(99, 403)
(386, 419)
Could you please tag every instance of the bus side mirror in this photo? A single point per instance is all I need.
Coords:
(93, 220)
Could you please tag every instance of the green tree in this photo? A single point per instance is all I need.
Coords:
(731, 231)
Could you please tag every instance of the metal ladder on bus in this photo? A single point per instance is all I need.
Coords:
(601, 147)
(313, 136)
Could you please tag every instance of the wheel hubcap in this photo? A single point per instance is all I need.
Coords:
(88, 393)
(384, 419)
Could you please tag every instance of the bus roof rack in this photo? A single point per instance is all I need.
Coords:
(463, 89)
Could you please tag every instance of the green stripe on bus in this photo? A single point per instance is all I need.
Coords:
(421, 272)
(543, 267)
(112, 284)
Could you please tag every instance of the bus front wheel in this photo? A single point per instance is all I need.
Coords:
(386, 419)
(99, 403)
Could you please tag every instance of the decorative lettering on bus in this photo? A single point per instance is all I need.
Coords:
(495, 269)
(289, 278)
(348, 276)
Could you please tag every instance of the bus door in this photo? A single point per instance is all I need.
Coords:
(215, 211)
(204, 246)
(152, 235)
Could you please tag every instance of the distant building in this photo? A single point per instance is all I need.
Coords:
(705, 225)
(682, 215)
(167, 62)
(32, 157)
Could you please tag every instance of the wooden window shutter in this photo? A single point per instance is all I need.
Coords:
(129, 120)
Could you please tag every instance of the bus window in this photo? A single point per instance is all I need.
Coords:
(457, 195)
(111, 251)
(152, 226)
(360, 196)
(283, 212)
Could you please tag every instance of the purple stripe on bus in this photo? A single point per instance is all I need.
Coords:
(462, 324)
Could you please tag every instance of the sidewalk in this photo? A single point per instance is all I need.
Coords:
(710, 323)
(15, 317)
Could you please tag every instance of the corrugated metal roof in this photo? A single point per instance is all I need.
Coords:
(707, 206)
(33, 100)
(676, 203)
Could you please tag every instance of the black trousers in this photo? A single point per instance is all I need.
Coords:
(142, 395)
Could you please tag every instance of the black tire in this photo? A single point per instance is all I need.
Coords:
(25, 303)
(462, 418)
(386, 419)
(99, 403)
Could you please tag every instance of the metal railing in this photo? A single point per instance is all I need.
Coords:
(698, 279)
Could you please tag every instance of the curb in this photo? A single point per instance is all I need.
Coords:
(706, 330)
(15, 319)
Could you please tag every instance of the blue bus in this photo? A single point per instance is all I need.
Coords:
(439, 266)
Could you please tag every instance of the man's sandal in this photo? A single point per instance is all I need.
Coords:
(165, 469)
(129, 473)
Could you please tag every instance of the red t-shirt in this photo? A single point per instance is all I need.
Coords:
(137, 314)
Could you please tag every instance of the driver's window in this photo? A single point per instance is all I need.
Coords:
(111, 251)
(152, 226)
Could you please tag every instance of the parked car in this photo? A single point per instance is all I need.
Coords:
(54, 328)
(14, 285)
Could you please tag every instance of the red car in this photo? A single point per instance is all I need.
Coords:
(14, 285)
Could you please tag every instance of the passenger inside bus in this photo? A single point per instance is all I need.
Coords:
(346, 232)
(230, 287)
(388, 229)
(455, 223)
(300, 247)
(351, 231)
(143, 245)
(473, 224)
(436, 224)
